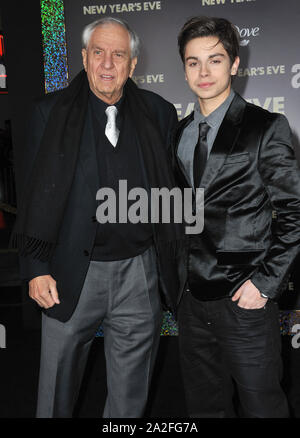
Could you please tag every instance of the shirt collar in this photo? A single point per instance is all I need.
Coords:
(214, 118)
(99, 106)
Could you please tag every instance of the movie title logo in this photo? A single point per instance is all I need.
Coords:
(291, 286)
(269, 70)
(119, 8)
(296, 78)
(149, 79)
(184, 112)
(273, 104)
(223, 2)
(296, 337)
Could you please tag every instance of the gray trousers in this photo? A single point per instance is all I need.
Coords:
(123, 297)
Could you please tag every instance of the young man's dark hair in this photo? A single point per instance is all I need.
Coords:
(210, 26)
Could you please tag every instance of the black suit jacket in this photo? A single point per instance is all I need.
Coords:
(251, 171)
(71, 258)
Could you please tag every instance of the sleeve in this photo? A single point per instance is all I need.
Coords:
(29, 266)
(280, 174)
(172, 127)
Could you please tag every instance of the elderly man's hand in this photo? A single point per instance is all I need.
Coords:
(43, 290)
(249, 296)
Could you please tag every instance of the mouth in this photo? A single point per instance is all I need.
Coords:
(107, 77)
(205, 85)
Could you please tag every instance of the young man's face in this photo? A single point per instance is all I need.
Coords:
(107, 61)
(208, 70)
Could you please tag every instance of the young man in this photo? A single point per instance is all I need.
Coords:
(243, 158)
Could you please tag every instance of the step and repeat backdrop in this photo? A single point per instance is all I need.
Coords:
(268, 76)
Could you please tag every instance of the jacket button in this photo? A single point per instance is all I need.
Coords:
(86, 253)
(94, 219)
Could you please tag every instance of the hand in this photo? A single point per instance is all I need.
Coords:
(43, 290)
(249, 296)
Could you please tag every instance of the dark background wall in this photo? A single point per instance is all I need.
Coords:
(5, 112)
(4, 98)
(21, 23)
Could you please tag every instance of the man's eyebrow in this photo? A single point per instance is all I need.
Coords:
(216, 54)
(210, 56)
(191, 57)
(96, 47)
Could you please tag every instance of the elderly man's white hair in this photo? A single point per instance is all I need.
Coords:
(134, 39)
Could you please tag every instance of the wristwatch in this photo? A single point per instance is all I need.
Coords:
(263, 295)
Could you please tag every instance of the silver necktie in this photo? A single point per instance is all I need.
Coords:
(111, 130)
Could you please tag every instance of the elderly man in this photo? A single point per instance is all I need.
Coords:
(98, 131)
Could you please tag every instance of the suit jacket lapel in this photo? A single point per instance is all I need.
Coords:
(225, 141)
(88, 157)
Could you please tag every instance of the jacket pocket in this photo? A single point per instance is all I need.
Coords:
(237, 158)
(244, 257)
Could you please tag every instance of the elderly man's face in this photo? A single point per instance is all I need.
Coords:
(107, 61)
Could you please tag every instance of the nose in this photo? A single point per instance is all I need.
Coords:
(203, 70)
(107, 62)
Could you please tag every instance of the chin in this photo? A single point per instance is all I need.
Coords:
(105, 86)
(206, 95)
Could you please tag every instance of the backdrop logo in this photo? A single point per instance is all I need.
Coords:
(246, 33)
(2, 76)
(296, 337)
(121, 7)
(274, 104)
(149, 79)
(2, 336)
(296, 77)
(180, 111)
(223, 2)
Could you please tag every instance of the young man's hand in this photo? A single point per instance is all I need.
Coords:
(249, 296)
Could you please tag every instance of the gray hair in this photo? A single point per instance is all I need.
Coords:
(134, 39)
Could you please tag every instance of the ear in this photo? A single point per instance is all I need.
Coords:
(133, 63)
(84, 58)
(235, 66)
